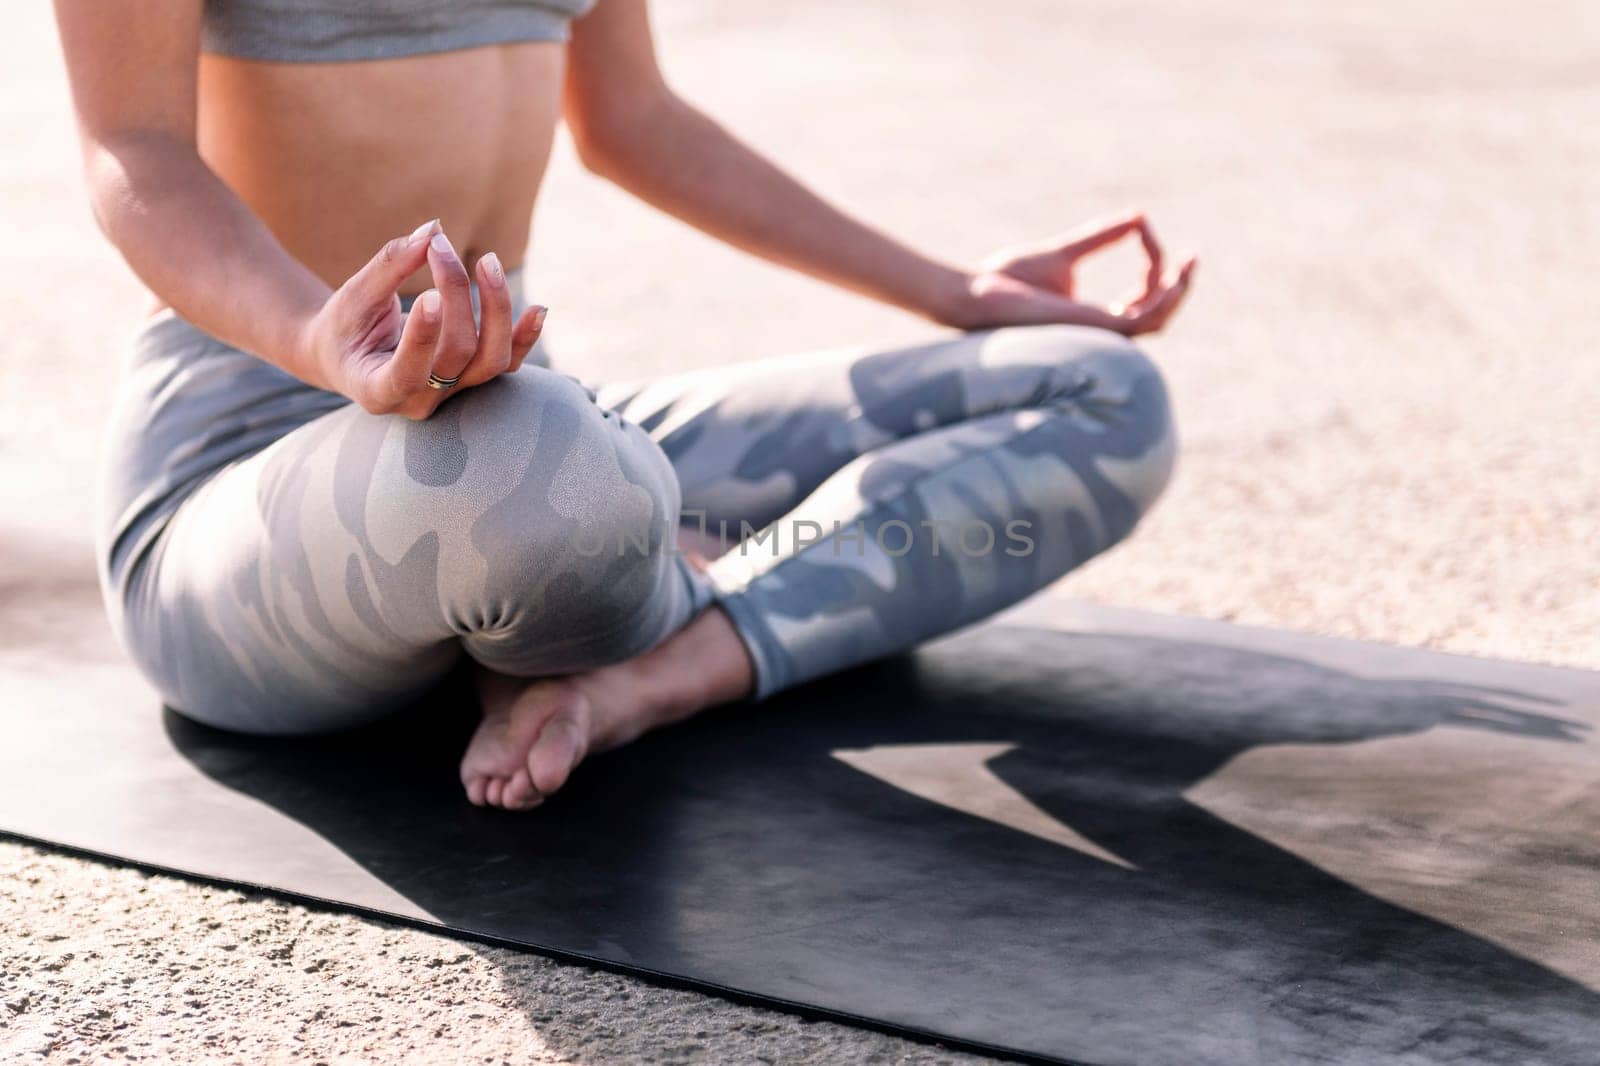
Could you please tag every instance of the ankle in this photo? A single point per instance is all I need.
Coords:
(656, 684)
(700, 666)
(705, 664)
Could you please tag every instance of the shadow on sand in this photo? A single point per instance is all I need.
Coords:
(741, 851)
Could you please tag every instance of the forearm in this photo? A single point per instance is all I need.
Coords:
(201, 250)
(679, 160)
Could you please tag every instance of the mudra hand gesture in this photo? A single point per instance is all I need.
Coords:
(406, 363)
(1037, 286)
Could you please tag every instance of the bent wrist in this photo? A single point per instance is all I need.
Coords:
(302, 346)
(949, 299)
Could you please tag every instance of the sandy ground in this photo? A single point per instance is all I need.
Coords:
(1388, 382)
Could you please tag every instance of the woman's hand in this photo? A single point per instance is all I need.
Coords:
(366, 348)
(1035, 286)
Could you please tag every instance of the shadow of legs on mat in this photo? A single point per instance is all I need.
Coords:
(992, 840)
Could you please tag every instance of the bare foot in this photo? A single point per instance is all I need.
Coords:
(499, 768)
(534, 733)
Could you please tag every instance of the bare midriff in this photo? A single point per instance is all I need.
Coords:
(337, 158)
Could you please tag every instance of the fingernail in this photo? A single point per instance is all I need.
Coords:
(423, 230)
(538, 315)
(441, 244)
(428, 303)
(491, 265)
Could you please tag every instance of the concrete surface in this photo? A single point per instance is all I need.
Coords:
(1387, 379)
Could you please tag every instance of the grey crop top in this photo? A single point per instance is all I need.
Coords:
(312, 31)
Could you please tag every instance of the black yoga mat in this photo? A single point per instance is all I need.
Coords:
(1073, 834)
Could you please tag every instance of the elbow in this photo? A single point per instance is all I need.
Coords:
(110, 186)
(605, 143)
(124, 170)
(596, 150)
(613, 134)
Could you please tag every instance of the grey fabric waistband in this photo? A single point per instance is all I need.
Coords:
(312, 31)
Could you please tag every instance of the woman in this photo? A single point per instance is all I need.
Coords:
(330, 473)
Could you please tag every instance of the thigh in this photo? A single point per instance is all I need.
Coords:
(750, 441)
(945, 527)
(339, 572)
(255, 609)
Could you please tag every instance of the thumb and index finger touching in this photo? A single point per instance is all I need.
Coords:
(1160, 296)
(396, 261)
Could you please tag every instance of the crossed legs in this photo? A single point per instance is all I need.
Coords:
(863, 502)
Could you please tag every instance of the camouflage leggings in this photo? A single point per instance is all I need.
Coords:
(279, 561)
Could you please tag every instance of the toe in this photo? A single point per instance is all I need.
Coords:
(519, 794)
(476, 787)
(560, 746)
(496, 786)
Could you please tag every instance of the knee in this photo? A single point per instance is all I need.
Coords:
(1116, 400)
(1140, 439)
(567, 512)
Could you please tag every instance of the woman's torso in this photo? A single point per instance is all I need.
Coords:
(338, 157)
